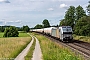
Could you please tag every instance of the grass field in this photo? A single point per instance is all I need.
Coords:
(11, 47)
(82, 38)
(1, 34)
(54, 51)
(21, 34)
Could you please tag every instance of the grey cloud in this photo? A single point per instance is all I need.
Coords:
(4, 1)
(7, 1)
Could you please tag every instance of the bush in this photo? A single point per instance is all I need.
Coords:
(11, 32)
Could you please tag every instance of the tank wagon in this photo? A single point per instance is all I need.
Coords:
(37, 30)
(63, 33)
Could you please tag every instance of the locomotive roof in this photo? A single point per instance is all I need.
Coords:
(65, 26)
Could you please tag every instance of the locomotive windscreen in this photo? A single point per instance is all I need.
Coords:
(67, 29)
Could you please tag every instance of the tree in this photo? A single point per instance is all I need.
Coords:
(80, 12)
(70, 16)
(82, 26)
(19, 28)
(88, 8)
(26, 28)
(11, 32)
(2, 29)
(38, 26)
(62, 22)
(46, 23)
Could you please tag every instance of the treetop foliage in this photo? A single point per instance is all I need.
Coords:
(46, 23)
(82, 26)
(79, 12)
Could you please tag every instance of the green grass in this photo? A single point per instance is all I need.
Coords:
(21, 34)
(54, 51)
(82, 38)
(30, 53)
(1, 34)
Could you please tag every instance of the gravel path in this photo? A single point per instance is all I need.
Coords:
(25, 51)
(37, 55)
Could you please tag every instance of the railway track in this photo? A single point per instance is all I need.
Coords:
(81, 46)
(76, 46)
(82, 50)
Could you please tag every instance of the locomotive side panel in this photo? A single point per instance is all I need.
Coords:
(54, 32)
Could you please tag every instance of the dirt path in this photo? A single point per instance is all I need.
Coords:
(37, 55)
(25, 51)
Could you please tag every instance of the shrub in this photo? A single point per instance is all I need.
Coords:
(11, 32)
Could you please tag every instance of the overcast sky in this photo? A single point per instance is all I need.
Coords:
(32, 12)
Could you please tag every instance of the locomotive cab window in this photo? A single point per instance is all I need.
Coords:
(64, 29)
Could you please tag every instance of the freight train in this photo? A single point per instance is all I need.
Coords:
(63, 33)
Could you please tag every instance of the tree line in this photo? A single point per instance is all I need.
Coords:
(44, 24)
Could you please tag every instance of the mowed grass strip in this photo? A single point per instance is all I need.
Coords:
(54, 51)
(11, 47)
(31, 50)
(82, 38)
